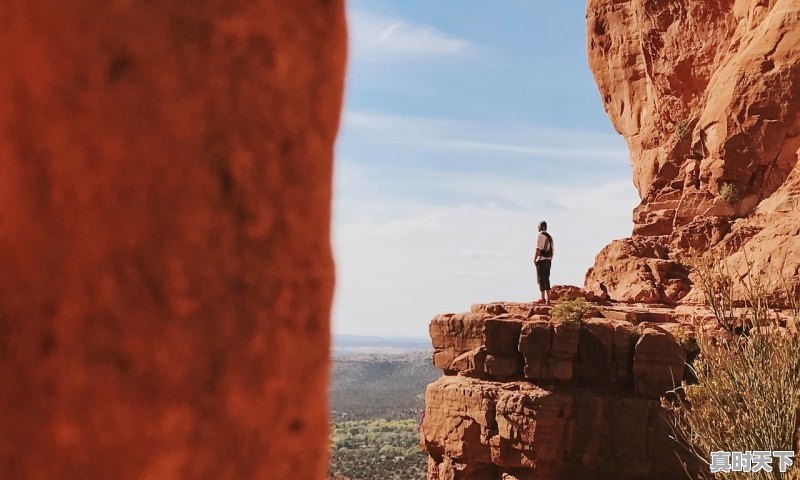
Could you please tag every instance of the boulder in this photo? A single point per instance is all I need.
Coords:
(501, 334)
(472, 362)
(454, 334)
(459, 420)
(534, 344)
(504, 366)
(595, 351)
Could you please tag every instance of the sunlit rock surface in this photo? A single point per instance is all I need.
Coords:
(707, 95)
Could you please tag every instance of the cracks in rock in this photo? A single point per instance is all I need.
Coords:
(774, 48)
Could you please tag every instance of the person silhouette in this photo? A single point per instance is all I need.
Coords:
(543, 259)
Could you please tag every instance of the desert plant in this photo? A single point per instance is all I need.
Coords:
(688, 341)
(682, 129)
(729, 192)
(717, 286)
(570, 311)
(377, 449)
(746, 387)
(745, 399)
(744, 298)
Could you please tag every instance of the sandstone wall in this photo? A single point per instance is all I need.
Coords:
(164, 237)
(707, 95)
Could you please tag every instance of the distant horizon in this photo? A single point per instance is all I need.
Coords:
(463, 126)
(383, 337)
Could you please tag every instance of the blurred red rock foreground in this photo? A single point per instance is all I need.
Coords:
(164, 237)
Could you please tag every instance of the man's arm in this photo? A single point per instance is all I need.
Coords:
(536, 255)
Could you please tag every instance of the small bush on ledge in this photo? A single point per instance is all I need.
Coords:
(729, 193)
(570, 311)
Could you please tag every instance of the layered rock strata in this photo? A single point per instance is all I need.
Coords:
(707, 95)
(527, 397)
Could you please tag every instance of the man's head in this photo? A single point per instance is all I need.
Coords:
(542, 226)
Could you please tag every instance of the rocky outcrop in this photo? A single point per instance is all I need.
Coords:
(526, 396)
(707, 95)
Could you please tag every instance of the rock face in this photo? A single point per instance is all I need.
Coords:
(559, 400)
(164, 237)
(707, 95)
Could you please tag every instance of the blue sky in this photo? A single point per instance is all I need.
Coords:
(465, 123)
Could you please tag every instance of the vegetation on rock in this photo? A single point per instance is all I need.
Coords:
(746, 388)
(729, 193)
(570, 311)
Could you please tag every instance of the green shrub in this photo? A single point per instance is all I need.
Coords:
(682, 129)
(729, 192)
(570, 311)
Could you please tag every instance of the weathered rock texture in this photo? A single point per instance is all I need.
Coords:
(528, 397)
(164, 237)
(707, 95)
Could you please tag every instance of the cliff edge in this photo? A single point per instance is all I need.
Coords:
(529, 396)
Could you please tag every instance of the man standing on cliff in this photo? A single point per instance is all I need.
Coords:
(542, 259)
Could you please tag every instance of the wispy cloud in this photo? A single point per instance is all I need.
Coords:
(444, 166)
(484, 137)
(377, 36)
(538, 150)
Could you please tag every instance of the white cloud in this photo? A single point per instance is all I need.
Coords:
(426, 220)
(538, 150)
(377, 36)
(403, 261)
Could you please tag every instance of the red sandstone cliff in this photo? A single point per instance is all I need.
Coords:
(707, 95)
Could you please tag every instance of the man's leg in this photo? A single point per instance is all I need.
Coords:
(546, 281)
(539, 280)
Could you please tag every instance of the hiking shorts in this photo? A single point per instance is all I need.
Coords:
(543, 274)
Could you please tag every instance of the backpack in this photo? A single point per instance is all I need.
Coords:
(547, 251)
